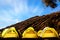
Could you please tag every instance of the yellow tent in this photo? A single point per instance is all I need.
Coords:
(29, 33)
(9, 33)
(39, 32)
(49, 32)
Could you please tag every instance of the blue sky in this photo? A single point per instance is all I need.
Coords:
(14, 11)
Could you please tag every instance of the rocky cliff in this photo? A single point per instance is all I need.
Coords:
(39, 22)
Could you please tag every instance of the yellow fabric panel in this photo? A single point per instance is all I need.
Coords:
(39, 32)
(49, 32)
(9, 32)
(29, 33)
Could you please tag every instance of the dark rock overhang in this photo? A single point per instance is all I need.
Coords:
(39, 22)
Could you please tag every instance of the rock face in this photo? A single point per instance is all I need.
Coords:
(39, 22)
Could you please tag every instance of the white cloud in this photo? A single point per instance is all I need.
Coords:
(7, 19)
(17, 5)
(19, 8)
